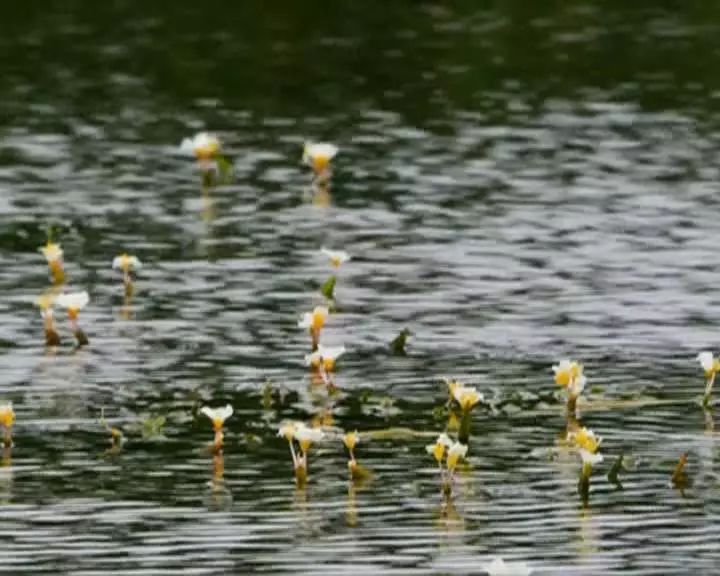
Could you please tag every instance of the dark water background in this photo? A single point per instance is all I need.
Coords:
(518, 182)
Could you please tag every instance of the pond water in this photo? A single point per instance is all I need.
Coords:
(516, 184)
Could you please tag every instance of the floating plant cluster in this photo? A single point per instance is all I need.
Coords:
(322, 358)
(73, 302)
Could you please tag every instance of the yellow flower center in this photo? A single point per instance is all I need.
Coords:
(569, 375)
(562, 378)
(208, 151)
(715, 368)
(288, 432)
(438, 451)
(318, 320)
(124, 262)
(452, 460)
(320, 162)
(586, 441)
(7, 417)
(350, 440)
(468, 399)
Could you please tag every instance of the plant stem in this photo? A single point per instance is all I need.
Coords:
(464, 432)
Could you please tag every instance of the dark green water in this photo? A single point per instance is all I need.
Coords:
(517, 183)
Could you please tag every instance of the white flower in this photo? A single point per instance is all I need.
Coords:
(466, 396)
(287, 430)
(590, 457)
(318, 154)
(52, 252)
(314, 320)
(218, 415)
(202, 145)
(437, 449)
(458, 449)
(445, 440)
(337, 257)
(499, 567)
(126, 262)
(706, 361)
(306, 436)
(328, 355)
(588, 445)
(455, 452)
(73, 301)
(562, 366)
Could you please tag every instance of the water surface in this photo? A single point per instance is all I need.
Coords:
(516, 184)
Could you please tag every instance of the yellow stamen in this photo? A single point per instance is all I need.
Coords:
(208, 151)
(7, 416)
(438, 451)
(452, 460)
(320, 162)
(587, 441)
(562, 379)
(57, 272)
(318, 320)
(350, 440)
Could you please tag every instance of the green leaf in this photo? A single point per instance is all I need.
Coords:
(328, 288)
(225, 168)
(615, 469)
(398, 345)
(152, 426)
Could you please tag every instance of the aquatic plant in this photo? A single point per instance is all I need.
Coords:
(569, 376)
(613, 474)
(7, 419)
(297, 432)
(45, 303)
(337, 257)
(152, 426)
(54, 256)
(711, 366)
(399, 343)
(318, 155)
(127, 264)
(325, 357)
(203, 145)
(117, 439)
(206, 148)
(588, 445)
(680, 478)
(328, 287)
(498, 567)
(447, 452)
(218, 417)
(357, 472)
(466, 397)
(217, 481)
(73, 302)
(313, 322)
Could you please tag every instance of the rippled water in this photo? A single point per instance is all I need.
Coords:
(516, 184)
